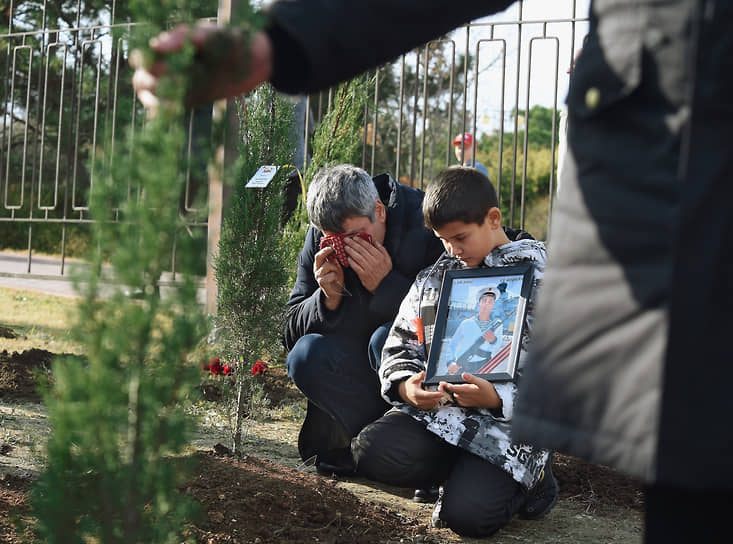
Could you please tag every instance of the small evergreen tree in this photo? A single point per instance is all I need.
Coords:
(118, 423)
(251, 267)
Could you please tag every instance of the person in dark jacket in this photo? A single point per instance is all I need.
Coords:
(339, 314)
(631, 374)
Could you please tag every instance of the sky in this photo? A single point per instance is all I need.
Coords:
(545, 50)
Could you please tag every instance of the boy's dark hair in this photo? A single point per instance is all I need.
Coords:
(458, 193)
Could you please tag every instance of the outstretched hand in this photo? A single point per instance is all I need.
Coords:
(227, 64)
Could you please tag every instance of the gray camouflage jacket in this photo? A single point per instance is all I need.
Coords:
(477, 430)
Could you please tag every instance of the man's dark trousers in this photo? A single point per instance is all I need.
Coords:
(335, 375)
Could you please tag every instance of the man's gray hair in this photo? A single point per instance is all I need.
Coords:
(339, 193)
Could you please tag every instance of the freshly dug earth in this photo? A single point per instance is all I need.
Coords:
(255, 500)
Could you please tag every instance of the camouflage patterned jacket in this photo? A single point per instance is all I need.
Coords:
(484, 433)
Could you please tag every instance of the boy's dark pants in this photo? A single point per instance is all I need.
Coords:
(334, 373)
(478, 497)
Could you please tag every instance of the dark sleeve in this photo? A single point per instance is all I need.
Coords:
(389, 294)
(387, 298)
(305, 311)
(318, 43)
(517, 234)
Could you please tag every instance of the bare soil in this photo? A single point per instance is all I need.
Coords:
(269, 496)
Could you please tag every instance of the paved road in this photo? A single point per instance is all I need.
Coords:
(45, 274)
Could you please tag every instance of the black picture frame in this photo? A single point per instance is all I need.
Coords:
(457, 337)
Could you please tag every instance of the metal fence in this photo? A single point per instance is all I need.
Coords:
(67, 98)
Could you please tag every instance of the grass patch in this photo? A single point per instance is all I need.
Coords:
(38, 320)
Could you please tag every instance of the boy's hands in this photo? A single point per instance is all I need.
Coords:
(475, 393)
(412, 392)
(330, 277)
(371, 263)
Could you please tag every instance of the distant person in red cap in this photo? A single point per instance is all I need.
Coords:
(463, 146)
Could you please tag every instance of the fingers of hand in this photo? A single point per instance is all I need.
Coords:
(361, 252)
(323, 257)
(427, 399)
(171, 40)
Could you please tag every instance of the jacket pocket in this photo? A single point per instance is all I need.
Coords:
(610, 66)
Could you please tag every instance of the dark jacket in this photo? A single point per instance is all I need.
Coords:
(633, 366)
(409, 243)
(635, 372)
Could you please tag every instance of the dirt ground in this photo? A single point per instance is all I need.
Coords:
(269, 496)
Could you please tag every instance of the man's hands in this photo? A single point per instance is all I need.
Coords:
(230, 71)
(371, 263)
(330, 277)
(411, 392)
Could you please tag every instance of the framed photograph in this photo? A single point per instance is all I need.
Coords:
(479, 324)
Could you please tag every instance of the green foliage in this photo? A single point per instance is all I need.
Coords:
(251, 266)
(118, 423)
(337, 140)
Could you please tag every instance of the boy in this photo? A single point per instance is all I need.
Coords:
(464, 443)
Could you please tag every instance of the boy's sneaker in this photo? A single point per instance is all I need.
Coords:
(543, 496)
(435, 520)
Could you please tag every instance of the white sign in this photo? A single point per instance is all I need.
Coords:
(262, 177)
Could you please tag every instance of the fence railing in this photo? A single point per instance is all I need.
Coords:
(67, 98)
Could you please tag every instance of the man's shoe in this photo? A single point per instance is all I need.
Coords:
(336, 463)
(427, 495)
(543, 496)
(320, 433)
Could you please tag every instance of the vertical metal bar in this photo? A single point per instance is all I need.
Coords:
(12, 124)
(306, 139)
(375, 119)
(414, 118)
(36, 139)
(502, 111)
(465, 90)
(525, 143)
(47, 208)
(426, 62)
(553, 142)
(516, 117)
(451, 85)
(400, 117)
(364, 131)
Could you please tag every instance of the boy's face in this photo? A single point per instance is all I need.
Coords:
(471, 242)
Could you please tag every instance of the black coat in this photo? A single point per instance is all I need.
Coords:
(409, 243)
(631, 366)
